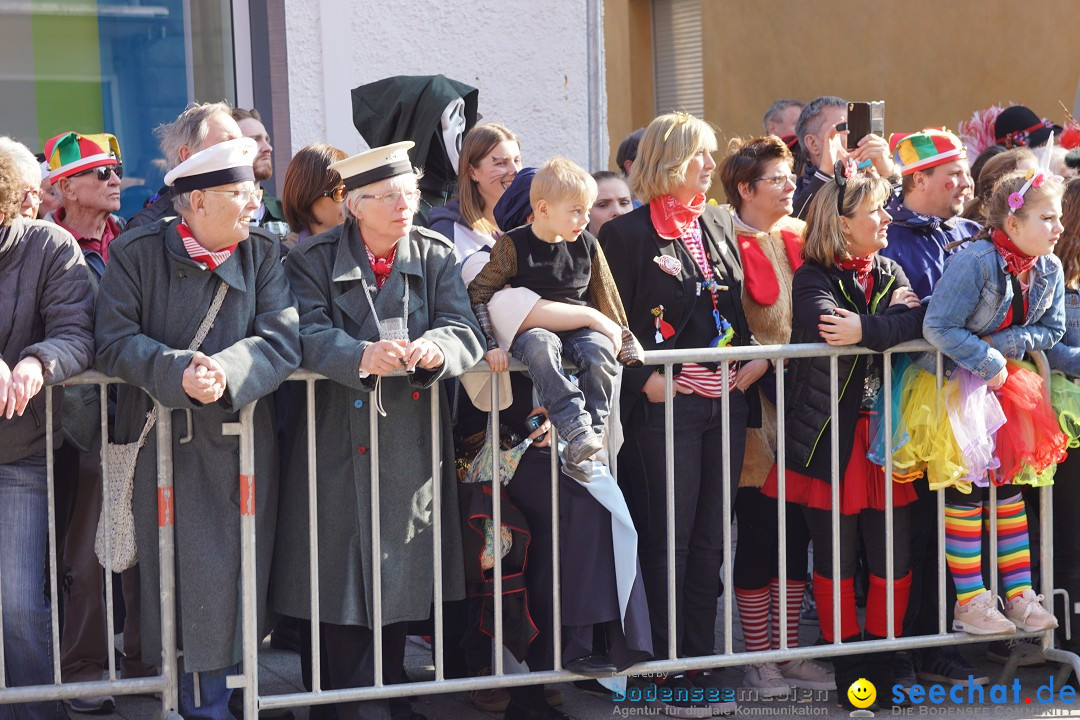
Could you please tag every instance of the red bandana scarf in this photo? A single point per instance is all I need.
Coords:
(671, 218)
(1016, 262)
(761, 282)
(381, 266)
(862, 267)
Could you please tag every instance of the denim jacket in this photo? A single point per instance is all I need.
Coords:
(971, 300)
(1065, 356)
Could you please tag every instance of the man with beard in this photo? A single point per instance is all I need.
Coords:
(251, 126)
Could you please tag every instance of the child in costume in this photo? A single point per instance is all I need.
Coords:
(999, 298)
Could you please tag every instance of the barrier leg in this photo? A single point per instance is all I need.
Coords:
(170, 701)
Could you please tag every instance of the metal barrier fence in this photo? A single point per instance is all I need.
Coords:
(248, 677)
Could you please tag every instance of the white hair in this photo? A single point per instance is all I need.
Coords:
(28, 166)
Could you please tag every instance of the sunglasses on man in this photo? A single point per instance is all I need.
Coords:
(102, 172)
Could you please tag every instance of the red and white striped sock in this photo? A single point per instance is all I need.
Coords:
(795, 590)
(754, 614)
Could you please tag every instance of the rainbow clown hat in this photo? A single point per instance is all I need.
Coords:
(925, 149)
(70, 153)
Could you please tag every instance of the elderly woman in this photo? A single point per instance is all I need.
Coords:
(759, 185)
(206, 263)
(28, 169)
(46, 310)
(376, 295)
(677, 266)
(312, 196)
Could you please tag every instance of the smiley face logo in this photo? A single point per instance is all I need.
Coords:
(862, 693)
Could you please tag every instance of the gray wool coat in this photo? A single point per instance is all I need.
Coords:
(152, 299)
(336, 326)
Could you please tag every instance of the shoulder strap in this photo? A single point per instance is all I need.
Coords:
(1018, 314)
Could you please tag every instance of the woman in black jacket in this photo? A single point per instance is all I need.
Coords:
(847, 294)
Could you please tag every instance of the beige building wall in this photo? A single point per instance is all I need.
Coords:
(933, 62)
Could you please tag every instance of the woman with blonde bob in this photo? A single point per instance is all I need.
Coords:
(677, 267)
(846, 293)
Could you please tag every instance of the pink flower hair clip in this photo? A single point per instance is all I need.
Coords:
(1035, 178)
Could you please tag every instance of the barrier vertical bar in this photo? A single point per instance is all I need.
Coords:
(781, 501)
(376, 546)
(890, 551)
(167, 562)
(993, 512)
(834, 445)
(244, 428)
(556, 561)
(50, 488)
(103, 406)
(942, 569)
(725, 475)
(496, 525)
(669, 475)
(313, 538)
(436, 526)
(1046, 521)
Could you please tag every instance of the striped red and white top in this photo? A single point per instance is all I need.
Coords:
(700, 379)
(200, 254)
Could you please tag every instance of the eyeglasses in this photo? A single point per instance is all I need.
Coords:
(32, 195)
(103, 172)
(777, 181)
(392, 199)
(337, 194)
(255, 194)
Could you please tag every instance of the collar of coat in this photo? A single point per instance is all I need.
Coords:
(718, 237)
(351, 263)
(231, 271)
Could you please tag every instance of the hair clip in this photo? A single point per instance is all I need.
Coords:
(842, 171)
(1035, 178)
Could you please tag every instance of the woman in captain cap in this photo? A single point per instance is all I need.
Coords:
(376, 296)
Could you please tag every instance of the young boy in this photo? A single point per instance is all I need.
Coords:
(559, 260)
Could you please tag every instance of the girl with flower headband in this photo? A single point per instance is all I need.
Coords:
(846, 293)
(1000, 297)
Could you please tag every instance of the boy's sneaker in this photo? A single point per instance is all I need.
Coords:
(947, 666)
(582, 446)
(807, 674)
(1000, 650)
(767, 681)
(1027, 613)
(979, 616)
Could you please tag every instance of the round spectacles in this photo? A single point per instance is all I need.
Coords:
(255, 194)
(778, 181)
(102, 173)
(391, 199)
(336, 194)
(32, 195)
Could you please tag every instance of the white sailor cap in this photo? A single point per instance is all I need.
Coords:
(374, 165)
(219, 164)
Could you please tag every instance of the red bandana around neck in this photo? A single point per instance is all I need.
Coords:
(381, 266)
(762, 283)
(671, 218)
(862, 267)
(1016, 262)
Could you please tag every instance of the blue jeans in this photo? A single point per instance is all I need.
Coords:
(213, 695)
(24, 523)
(570, 407)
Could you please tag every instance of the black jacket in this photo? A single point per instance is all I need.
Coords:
(630, 243)
(816, 291)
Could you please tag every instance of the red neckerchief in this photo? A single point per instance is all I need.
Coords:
(762, 284)
(381, 266)
(671, 218)
(1016, 262)
(200, 254)
(862, 267)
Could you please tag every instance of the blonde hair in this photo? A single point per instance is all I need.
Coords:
(997, 207)
(1068, 247)
(478, 143)
(669, 144)
(825, 242)
(562, 180)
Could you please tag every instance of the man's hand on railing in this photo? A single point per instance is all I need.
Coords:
(204, 379)
(843, 327)
(19, 385)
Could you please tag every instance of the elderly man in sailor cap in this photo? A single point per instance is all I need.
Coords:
(159, 288)
(377, 296)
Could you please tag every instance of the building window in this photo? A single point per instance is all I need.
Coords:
(118, 66)
(677, 56)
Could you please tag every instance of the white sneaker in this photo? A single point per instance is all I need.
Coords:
(767, 680)
(808, 674)
(979, 616)
(1027, 613)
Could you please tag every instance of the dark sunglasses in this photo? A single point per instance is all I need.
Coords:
(103, 172)
(337, 194)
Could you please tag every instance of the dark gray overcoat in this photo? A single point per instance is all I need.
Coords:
(152, 299)
(336, 327)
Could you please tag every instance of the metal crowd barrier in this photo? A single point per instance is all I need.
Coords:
(248, 676)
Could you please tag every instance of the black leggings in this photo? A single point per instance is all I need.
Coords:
(757, 550)
(870, 526)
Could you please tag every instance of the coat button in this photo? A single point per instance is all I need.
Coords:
(358, 404)
(362, 449)
(181, 274)
(416, 395)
